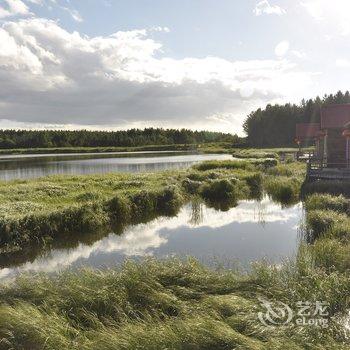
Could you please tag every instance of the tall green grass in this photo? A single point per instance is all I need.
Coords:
(168, 304)
(176, 304)
(332, 187)
(327, 202)
(283, 189)
(89, 216)
(38, 211)
(249, 165)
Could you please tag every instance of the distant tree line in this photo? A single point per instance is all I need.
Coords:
(274, 126)
(127, 138)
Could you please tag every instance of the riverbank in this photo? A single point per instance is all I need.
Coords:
(37, 211)
(215, 147)
(277, 153)
(218, 147)
(177, 304)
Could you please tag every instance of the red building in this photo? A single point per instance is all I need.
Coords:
(331, 138)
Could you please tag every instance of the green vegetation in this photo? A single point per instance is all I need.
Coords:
(276, 153)
(72, 150)
(216, 147)
(174, 304)
(333, 187)
(10, 139)
(38, 211)
(234, 164)
(274, 126)
(327, 202)
(168, 305)
(284, 189)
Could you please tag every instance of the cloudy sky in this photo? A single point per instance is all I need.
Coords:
(204, 64)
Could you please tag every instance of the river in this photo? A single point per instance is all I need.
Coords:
(251, 231)
(33, 166)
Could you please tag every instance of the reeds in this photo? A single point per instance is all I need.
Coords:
(40, 210)
(168, 304)
(282, 189)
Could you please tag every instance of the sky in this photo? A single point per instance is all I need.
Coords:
(198, 64)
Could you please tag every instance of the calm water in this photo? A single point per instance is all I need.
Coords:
(33, 166)
(249, 232)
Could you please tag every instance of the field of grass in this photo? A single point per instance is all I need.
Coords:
(265, 152)
(175, 304)
(36, 211)
(170, 305)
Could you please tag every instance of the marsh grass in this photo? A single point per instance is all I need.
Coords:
(327, 202)
(249, 165)
(265, 152)
(41, 210)
(175, 304)
(169, 304)
(332, 187)
(331, 254)
(38, 211)
(320, 221)
(282, 189)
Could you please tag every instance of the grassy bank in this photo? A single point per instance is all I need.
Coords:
(217, 147)
(37, 211)
(266, 152)
(168, 305)
(176, 304)
(73, 150)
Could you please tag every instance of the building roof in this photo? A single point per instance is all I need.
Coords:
(307, 130)
(335, 116)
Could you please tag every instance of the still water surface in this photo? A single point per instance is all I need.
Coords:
(33, 166)
(252, 231)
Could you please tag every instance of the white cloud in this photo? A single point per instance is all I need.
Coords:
(145, 239)
(333, 14)
(73, 13)
(20, 8)
(342, 63)
(14, 8)
(160, 29)
(298, 54)
(48, 75)
(263, 7)
(282, 48)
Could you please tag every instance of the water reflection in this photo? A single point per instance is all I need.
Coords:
(33, 166)
(251, 231)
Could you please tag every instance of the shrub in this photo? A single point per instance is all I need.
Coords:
(88, 196)
(227, 164)
(319, 221)
(143, 205)
(267, 163)
(169, 200)
(333, 187)
(119, 210)
(327, 202)
(340, 231)
(283, 190)
(219, 190)
(331, 255)
(191, 186)
(255, 183)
